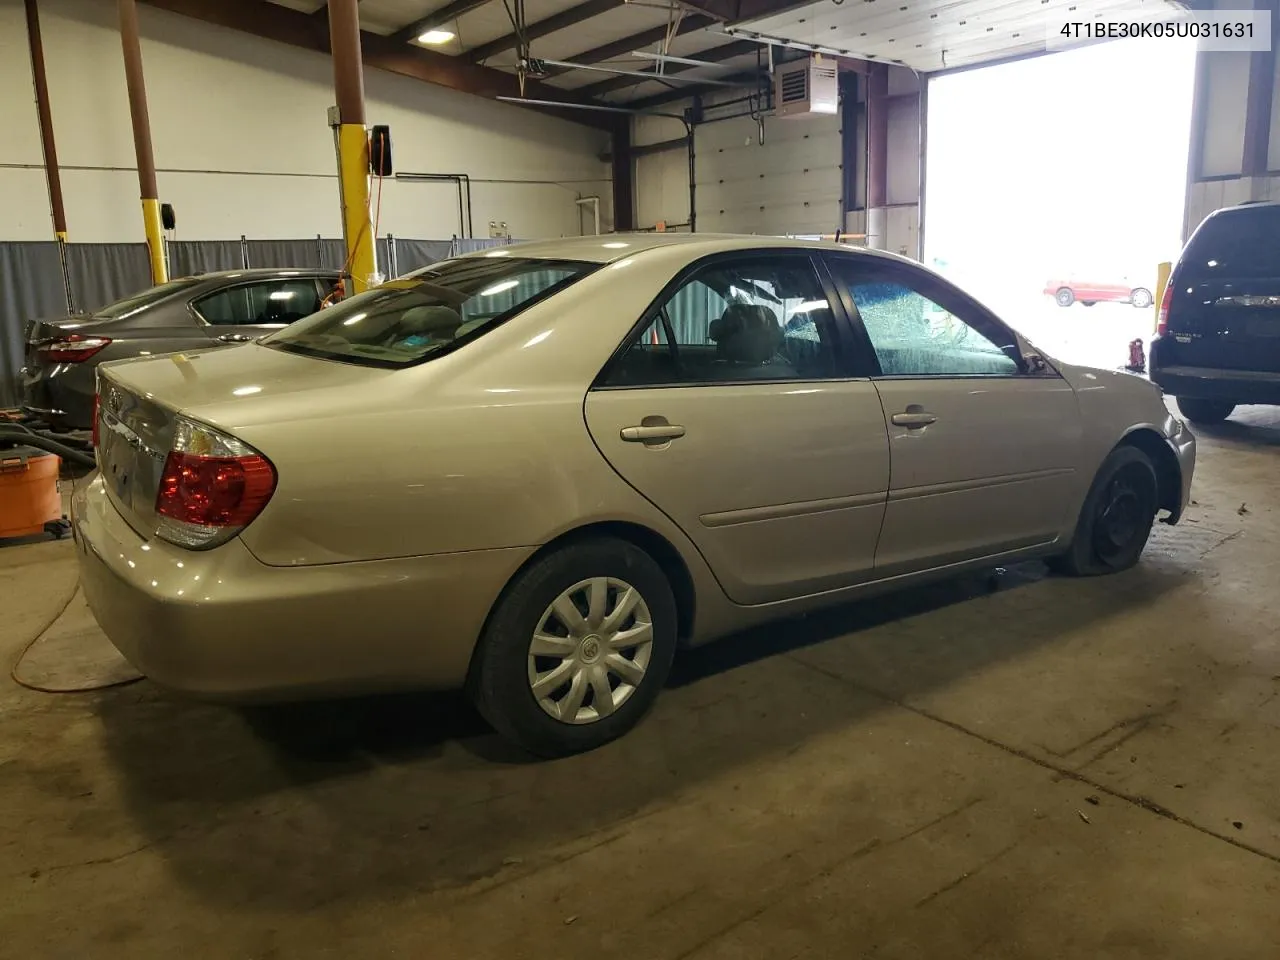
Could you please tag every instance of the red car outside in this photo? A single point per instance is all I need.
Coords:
(1089, 292)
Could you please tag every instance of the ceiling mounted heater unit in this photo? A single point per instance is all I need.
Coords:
(806, 88)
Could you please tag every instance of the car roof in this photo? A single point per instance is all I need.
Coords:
(261, 273)
(610, 247)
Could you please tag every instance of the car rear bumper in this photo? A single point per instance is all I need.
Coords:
(1237, 386)
(219, 624)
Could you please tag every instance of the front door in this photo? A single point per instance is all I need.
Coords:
(732, 411)
(982, 449)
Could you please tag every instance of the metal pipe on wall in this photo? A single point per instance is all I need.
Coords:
(352, 141)
(47, 145)
(132, 48)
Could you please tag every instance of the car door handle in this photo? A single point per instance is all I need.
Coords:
(913, 418)
(653, 433)
(234, 338)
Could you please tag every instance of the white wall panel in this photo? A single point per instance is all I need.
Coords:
(242, 143)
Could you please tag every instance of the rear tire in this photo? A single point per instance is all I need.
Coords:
(1199, 410)
(554, 671)
(1116, 518)
(1088, 303)
(1141, 298)
(1065, 297)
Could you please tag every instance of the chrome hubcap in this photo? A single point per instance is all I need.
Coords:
(591, 649)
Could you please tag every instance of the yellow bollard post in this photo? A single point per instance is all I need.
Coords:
(1162, 280)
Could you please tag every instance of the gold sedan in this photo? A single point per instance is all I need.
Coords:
(539, 470)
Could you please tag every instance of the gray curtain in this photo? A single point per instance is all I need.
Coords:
(412, 254)
(463, 245)
(188, 257)
(30, 289)
(102, 273)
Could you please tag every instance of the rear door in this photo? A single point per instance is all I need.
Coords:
(246, 311)
(731, 408)
(1224, 306)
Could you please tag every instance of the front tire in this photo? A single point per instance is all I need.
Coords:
(1065, 297)
(1088, 303)
(577, 648)
(1141, 298)
(1198, 410)
(1116, 518)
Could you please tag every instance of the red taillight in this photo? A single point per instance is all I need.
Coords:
(214, 491)
(212, 486)
(1162, 319)
(73, 348)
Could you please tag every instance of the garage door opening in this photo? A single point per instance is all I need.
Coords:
(1055, 185)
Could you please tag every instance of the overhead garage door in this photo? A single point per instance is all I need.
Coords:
(790, 184)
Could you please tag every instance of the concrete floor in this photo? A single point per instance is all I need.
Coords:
(1061, 768)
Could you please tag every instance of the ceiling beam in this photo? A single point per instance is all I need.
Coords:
(437, 18)
(728, 51)
(274, 22)
(746, 78)
(621, 48)
(560, 21)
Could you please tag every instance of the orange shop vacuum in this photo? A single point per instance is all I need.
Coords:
(30, 502)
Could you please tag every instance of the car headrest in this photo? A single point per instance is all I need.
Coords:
(747, 333)
(439, 322)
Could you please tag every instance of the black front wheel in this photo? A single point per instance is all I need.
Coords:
(1205, 411)
(1117, 516)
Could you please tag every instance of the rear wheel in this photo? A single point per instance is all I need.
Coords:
(577, 649)
(1140, 298)
(1117, 516)
(1064, 297)
(1199, 410)
(1088, 303)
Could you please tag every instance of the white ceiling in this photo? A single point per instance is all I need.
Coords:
(932, 35)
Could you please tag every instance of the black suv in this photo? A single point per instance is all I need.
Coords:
(1218, 340)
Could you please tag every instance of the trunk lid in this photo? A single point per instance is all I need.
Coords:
(1224, 310)
(231, 388)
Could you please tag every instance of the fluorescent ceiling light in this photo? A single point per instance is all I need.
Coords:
(435, 37)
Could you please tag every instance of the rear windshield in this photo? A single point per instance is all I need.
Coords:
(428, 312)
(1242, 243)
(137, 301)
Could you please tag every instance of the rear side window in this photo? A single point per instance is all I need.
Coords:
(140, 301)
(268, 303)
(1244, 243)
(429, 312)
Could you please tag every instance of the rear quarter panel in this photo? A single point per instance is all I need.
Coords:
(485, 448)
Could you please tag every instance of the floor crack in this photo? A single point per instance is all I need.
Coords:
(1139, 801)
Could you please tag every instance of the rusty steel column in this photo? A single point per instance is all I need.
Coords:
(51, 173)
(352, 142)
(877, 154)
(142, 138)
